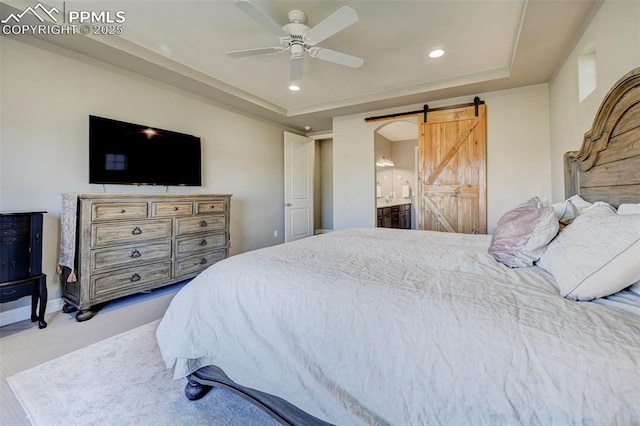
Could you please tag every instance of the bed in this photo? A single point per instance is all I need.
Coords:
(378, 326)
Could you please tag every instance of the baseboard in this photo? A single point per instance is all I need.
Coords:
(24, 312)
(322, 231)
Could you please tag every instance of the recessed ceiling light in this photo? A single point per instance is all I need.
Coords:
(307, 128)
(294, 87)
(150, 133)
(436, 53)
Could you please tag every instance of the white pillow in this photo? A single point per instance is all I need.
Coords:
(625, 209)
(522, 234)
(580, 204)
(565, 211)
(596, 256)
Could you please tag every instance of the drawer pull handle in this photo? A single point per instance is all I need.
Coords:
(135, 254)
(203, 243)
(203, 261)
(136, 231)
(135, 277)
(122, 211)
(175, 209)
(203, 223)
(7, 293)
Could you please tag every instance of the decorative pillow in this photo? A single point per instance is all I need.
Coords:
(522, 234)
(625, 209)
(596, 256)
(565, 211)
(580, 203)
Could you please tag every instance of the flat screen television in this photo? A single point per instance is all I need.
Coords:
(134, 154)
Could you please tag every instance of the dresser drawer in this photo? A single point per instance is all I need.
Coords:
(189, 245)
(171, 208)
(14, 222)
(15, 233)
(193, 264)
(192, 225)
(214, 206)
(122, 281)
(128, 255)
(111, 211)
(104, 234)
(15, 291)
(10, 239)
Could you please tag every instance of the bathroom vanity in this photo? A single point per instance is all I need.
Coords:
(394, 214)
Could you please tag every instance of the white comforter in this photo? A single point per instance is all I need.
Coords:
(383, 326)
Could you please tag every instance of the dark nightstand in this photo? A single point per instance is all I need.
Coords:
(21, 261)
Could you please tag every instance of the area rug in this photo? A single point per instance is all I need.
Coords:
(120, 381)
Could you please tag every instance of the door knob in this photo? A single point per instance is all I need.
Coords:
(288, 204)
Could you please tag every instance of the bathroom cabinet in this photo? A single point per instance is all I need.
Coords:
(395, 216)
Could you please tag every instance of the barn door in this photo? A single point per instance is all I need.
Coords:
(452, 171)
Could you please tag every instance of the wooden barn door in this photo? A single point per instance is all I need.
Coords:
(452, 171)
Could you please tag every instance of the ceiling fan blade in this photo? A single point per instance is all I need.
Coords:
(336, 57)
(297, 67)
(336, 22)
(253, 52)
(257, 14)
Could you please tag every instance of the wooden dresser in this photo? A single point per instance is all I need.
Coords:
(130, 243)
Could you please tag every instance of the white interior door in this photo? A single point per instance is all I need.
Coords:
(298, 186)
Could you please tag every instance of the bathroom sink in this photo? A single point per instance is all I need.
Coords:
(381, 202)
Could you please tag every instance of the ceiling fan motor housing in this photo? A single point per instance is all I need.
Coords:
(297, 16)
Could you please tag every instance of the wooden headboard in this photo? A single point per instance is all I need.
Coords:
(607, 167)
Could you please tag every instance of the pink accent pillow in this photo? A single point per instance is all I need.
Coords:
(523, 233)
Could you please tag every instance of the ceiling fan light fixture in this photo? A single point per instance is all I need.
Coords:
(436, 53)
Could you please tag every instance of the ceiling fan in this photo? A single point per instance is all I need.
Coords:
(298, 38)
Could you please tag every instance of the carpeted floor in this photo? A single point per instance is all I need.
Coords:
(122, 380)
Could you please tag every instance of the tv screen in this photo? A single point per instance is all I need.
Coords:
(126, 153)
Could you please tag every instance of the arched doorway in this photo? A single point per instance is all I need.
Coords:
(395, 153)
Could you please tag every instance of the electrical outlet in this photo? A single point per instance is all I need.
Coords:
(275, 233)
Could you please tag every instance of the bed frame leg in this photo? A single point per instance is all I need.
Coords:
(194, 390)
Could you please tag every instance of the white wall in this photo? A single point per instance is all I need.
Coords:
(518, 151)
(384, 175)
(326, 183)
(46, 100)
(615, 33)
(403, 155)
(392, 179)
